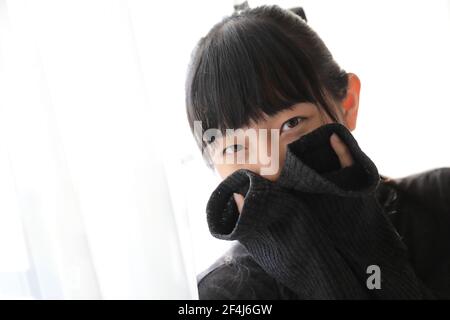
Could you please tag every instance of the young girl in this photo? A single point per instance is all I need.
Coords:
(313, 218)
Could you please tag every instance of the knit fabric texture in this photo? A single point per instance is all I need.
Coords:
(319, 227)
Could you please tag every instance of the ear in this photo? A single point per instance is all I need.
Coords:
(350, 103)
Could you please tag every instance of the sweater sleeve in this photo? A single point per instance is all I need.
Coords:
(319, 227)
(344, 201)
(283, 237)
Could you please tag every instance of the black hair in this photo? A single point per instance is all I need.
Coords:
(260, 61)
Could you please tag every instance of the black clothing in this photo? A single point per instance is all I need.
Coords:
(313, 233)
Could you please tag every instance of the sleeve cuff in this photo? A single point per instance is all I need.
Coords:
(224, 220)
(312, 165)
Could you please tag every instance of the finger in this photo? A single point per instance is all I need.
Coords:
(239, 199)
(344, 155)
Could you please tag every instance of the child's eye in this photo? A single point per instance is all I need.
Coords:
(291, 123)
(232, 149)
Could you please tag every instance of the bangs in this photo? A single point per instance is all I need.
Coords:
(246, 71)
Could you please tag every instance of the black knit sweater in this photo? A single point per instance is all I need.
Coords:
(319, 227)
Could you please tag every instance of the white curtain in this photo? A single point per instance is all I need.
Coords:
(91, 107)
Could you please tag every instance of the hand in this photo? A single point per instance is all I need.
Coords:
(343, 153)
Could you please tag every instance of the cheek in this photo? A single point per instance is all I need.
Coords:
(224, 170)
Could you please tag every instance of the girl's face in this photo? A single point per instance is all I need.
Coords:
(264, 151)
